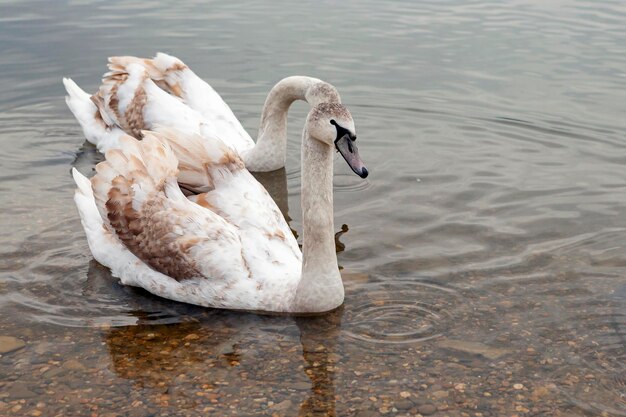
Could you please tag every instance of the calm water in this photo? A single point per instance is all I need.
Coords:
(484, 257)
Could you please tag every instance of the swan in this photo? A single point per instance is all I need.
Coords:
(229, 247)
(140, 94)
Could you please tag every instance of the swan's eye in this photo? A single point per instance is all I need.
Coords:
(342, 131)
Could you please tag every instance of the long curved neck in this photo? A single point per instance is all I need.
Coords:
(270, 150)
(320, 288)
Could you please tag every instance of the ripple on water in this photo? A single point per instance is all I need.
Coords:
(399, 311)
(97, 301)
(347, 182)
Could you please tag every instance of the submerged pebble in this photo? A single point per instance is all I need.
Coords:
(475, 348)
(427, 409)
(9, 344)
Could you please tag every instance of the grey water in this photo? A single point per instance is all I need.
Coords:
(484, 258)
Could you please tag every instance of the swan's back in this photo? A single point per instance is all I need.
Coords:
(172, 75)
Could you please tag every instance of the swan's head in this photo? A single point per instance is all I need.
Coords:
(322, 92)
(332, 124)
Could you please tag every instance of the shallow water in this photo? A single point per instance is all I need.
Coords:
(483, 258)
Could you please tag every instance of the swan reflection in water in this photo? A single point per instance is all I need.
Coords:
(217, 359)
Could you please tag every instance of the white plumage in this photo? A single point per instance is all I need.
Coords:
(226, 245)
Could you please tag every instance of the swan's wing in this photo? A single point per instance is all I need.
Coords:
(218, 174)
(111, 252)
(130, 100)
(269, 244)
(137, 196)
(237, 197)
(172, 75)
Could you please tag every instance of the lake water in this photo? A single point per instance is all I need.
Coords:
(484, 257)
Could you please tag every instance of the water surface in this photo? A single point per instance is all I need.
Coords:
(483, 258)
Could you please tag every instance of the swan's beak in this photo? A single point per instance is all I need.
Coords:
(347, 148)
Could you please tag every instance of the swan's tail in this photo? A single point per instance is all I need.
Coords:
(89, 116)
(85, 203)
(104, 245)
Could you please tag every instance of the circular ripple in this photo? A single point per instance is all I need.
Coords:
(100, 300)
(342, 182)
(350, 182)
(399, 311)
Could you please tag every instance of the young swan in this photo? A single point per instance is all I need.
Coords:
(145, 94)
(229, 247)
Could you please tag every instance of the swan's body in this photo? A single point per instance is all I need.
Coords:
(146, 94)
(229, 247)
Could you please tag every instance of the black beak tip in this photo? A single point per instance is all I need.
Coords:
(364, 173)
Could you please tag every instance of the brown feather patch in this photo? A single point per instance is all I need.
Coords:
(114, 102)
(201, 200)
(231, 160)
(156, 245)
(100, 107)
(176, 66)
(176, 90)
(134, 113)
